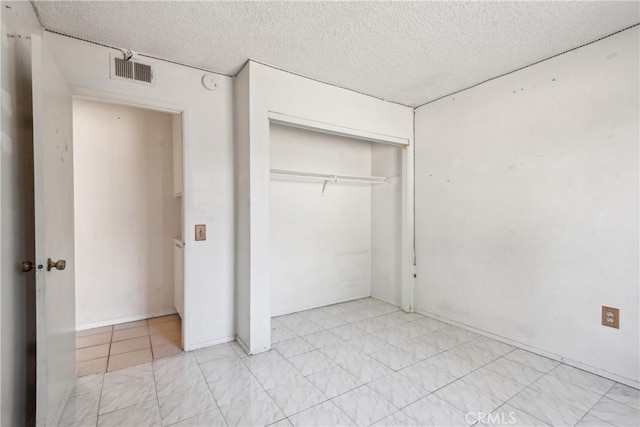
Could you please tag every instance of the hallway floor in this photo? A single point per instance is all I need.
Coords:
(110, 348)
(358, 363)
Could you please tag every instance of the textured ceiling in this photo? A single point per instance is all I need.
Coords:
(406, 52)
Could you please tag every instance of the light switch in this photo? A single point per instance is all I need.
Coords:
(201, 232)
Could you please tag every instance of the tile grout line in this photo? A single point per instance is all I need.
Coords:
(103, 373)
(622, 403)
(106, 368)
(582, 370)
(598, 401)
(457, 379)
(99, 400)
(305, 377)
(109, 354)
(266, 391)
(155, 384)
(442, 352)
(343, 368)
(329, 399)
(346, 343)
(569, 384)
(546, 395)
(207, 383)
(132, 405)
(525, 412)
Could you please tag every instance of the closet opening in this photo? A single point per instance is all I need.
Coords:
(128, 234)
(335, 230)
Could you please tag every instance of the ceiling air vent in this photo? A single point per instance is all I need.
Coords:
(124, 68)
(130, 70)
(142, 72)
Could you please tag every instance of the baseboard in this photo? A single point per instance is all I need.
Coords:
(324, 304)
(210, 343)
(594, 370)
(244, 345)
(109, 322)
(386, 300)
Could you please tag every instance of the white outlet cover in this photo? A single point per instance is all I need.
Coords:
(210, 81)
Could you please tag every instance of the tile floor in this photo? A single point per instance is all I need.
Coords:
(120, 346)
(358, 363)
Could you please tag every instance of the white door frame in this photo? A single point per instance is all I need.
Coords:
(255, 336)
(132, 101)
(253, 305)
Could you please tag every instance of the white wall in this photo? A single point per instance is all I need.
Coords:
(386, 224)
(125, 213)
(527, 206)
(17, 293)
(208, 173)
(241, 126)
(320, 244)
(263, 90)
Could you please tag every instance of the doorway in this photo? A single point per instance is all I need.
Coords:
(334, 220)
(128, 234)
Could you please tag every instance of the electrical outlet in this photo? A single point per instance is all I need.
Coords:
(201, 232)
(611, 317)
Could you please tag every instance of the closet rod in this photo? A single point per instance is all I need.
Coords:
(331, 177)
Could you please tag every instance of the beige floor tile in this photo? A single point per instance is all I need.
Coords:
(165, 350)
(128, 325)
(119, 347)
(155, 320)
(127, 334)
(92, 340)
(94, 331)
(94, 366)
(132, 358)
(170, 325)
(168, 337)
(93, 352)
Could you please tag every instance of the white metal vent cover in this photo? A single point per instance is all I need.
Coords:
(130, 70)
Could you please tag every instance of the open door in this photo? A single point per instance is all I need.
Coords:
(53, 192)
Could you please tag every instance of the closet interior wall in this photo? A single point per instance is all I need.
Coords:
(386, 224)
(332, 242)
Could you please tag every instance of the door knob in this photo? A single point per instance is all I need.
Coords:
(58, 265)
(26, 266)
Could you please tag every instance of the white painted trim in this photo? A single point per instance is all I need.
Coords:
(125, 319)
(186, 220)
(384, 300)
(310, 307)
(407, 282)
(210, 343)
(127, 100)
(243, 345)
(316, 126)
(597, 371)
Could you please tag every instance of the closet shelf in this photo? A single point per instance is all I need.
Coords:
(330, 177)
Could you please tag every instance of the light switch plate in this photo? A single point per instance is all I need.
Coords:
(201, 232)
